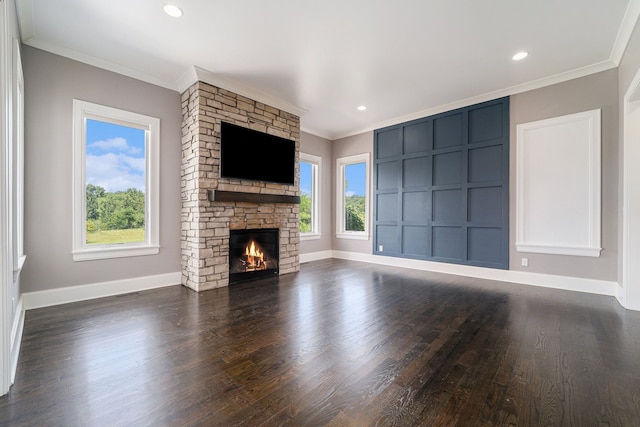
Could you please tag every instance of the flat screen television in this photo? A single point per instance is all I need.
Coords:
(256, 156)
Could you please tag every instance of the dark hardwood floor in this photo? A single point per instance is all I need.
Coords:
(340, 343)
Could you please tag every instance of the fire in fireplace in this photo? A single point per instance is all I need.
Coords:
(253, 253)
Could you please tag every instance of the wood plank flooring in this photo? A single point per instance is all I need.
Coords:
(340, 343)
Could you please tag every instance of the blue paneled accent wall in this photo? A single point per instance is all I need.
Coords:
(441, 187)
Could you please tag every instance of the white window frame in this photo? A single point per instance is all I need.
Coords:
(82, 111)
(316, 163)
(341, 164)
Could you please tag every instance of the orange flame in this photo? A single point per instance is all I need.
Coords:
(255, 257)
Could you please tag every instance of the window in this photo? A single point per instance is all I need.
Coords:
(352, 204)
(115, 177)
(309, 196)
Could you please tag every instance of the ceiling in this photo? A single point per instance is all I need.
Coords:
(403, 59)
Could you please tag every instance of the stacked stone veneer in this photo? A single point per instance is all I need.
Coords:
(205, 224)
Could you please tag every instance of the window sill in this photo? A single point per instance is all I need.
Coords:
(114, 252)
(353, 236)
(310, 236)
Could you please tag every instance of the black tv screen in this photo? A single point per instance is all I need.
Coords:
(257, 156)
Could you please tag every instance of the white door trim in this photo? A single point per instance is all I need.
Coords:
(630, 292)
(6, 269)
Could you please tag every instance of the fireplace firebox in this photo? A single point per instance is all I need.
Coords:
(253, 253)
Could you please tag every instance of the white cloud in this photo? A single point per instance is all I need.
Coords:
(115, 172)
(115, 144)
(350, 193)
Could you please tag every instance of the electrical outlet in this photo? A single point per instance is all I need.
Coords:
(380, 247)
(525, 262)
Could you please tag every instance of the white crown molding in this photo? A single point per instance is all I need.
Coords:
(69, 294)
(524, 87)
(187, 79)
(24, 9)
(193, 74)
(99, 63)
(190, 77)
(326, 136)
(629, 22)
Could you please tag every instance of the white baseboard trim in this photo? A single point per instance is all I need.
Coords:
(315, 256)
(16, 336)
(627, 303)
(601, 287)
(69, 294)
(620, 296)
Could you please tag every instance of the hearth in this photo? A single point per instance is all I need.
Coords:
(253, 253)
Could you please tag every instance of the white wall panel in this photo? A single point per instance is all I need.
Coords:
(558, 185)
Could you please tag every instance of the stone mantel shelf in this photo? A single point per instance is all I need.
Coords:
(238, 196)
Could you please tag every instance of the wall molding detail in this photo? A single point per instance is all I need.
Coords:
(69, 294)
(558, 196)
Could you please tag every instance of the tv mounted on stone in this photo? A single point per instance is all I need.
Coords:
(256, 156)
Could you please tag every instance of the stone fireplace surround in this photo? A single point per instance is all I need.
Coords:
(206, 223)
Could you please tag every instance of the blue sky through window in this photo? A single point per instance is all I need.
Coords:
(306, 178)
(356, 177)
(115, 156)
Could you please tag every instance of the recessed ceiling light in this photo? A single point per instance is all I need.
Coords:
(362, 108)
(520, 55)
(172, 10)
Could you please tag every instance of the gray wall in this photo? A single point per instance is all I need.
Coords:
(595, 91)
(311, 144)
(587, 93)
(350, 146)
(51, 83)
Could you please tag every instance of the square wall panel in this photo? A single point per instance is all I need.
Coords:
(447, 206)
(485, 164)
(415, 241)
(417, 137)
(415, 206)
(387, 175)
(387, 207)
(485, 245)
(485, 205)
(388, 144)
(447, 242)
(447, 131)
(415, 172)
(387, 236)
(485, 123)
(446, 198)
(447, 168)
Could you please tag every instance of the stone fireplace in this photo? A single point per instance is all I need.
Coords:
(213, 206)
